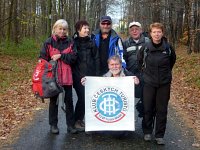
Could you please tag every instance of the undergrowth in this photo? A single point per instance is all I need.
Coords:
(17, 61)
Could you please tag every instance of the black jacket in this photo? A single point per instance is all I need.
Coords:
(158, 63)
(87, 62)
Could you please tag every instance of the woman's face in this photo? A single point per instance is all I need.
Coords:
(60, 31)
(156, 35)
(84, 31)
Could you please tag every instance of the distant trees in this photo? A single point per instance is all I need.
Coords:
(180, 17)
(34, 18)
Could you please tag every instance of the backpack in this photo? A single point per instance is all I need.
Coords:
(44, 79)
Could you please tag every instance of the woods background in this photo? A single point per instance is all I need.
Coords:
(21, 19)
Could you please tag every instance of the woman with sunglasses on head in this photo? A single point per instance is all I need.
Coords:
(87, 64)
(156, 59)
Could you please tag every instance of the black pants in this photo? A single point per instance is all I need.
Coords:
(80, 105)
(53, 108)
(139, 88)
(155, 104)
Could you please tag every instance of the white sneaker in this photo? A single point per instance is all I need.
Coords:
(160, 141)
(147, 137)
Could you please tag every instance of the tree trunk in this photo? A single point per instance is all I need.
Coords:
(49, 17)
(171, 25)
(196, 27)
(44, 18)
(34, 18)
(10, 20)
(191, 26)
(179, 25)
(156, 11)
(15, 22)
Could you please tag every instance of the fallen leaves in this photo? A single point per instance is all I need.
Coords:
(185, 92)
(16, 102)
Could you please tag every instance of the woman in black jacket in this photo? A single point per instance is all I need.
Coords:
(87, 64)
(156, 59)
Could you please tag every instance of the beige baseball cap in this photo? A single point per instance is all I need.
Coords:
(135, 24)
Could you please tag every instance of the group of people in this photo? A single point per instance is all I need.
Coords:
(103, 53)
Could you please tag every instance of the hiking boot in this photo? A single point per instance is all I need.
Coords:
(54, 129)
(71, 129)
(160, 141)
(147, 137)
(80, 126)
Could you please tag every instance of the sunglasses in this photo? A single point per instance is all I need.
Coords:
(106, 23)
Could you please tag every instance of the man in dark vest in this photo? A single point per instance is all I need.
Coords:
(131, 47)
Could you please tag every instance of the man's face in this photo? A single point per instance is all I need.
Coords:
(105, 26)
(135, 32)
(114, 67)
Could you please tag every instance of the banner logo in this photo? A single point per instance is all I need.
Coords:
(109, 104)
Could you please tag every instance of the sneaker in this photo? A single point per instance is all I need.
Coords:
(54, 129)
(147, 137)
(71, 129)
(80, 126)
(160, 141)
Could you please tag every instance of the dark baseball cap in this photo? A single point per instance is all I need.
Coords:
(106, 18)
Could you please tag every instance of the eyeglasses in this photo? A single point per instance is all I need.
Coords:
(106, 23)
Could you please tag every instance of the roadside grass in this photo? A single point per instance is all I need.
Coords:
(17, 61)
(27, 48)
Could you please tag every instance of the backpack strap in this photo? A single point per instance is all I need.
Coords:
(145, 53)
(145, 56)
(146, 39)
(167, 47)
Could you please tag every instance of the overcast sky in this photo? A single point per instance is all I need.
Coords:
(115, 13)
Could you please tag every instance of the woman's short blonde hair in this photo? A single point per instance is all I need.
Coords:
(61, 22)
(156, 25)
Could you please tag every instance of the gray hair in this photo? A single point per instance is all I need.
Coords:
(115, 58)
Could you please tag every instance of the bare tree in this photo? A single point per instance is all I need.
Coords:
(34, 18)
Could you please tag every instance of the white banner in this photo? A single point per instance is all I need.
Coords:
(109, 104)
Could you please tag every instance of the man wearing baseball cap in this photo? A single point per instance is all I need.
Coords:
(108, 42)
(131, 46)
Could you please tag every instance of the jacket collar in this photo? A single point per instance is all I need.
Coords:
(56, 38)
(113, 34)
(141, 40)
